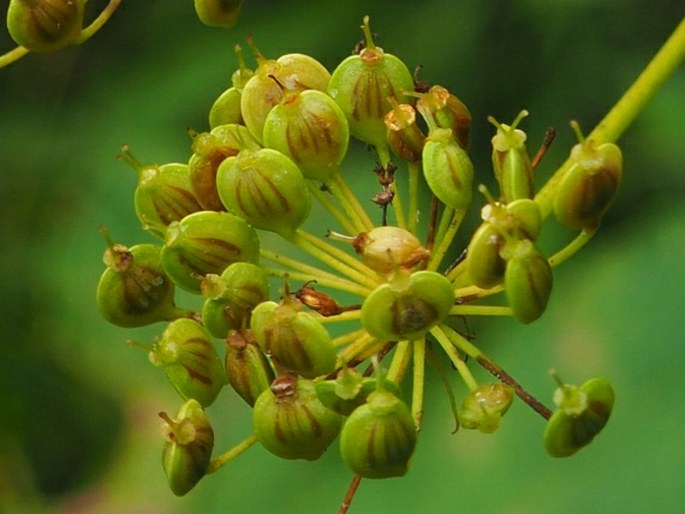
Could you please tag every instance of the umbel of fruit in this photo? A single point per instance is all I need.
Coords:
(134, 290)
(379, 437)
(407, 306)
(189, 440)
(191, 363)
(291, 422)
(362, 84)
(266, 188)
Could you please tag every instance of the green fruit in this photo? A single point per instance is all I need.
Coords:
(408, 306)
(218, 13)
(361, 86)
(344, 397)
(164, 193)
(404, 136)
(511, 161)
(484, 264)
(210, 149)
(379, 437)
(296, 340)
(45, 25)
(186, 354)
(582, 413)
(134, 290)
(230, 298)
(309, 127)
(247, 369)
(484, 407)
(294, 72)
(448, 112)
(447, 169)
(266, 188)
(588, 188)
(291, 422)
(527, 280)
(206, 242)
(188, 448)
(387, 248)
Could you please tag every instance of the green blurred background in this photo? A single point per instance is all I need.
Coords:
(78, 408)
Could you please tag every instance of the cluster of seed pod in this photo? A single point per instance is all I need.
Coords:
(277, 139)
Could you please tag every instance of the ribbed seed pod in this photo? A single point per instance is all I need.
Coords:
(511, 161)
(379, 437)
(266, 188)
(209, 151)
(309, 127)
(164, 193)
(588, 188)
(447, 168)
(408, 306)
(527, 280)
(261, 93)
(45, 25)
(218, 13)
(134, 290)
(295, 339)
(291, 422)
(484, 407)
(231, 296)
(247, 369)
(404, 136)
(206, 242)
(189, 441)
(582, 413)
(361, 85)
(191, 363)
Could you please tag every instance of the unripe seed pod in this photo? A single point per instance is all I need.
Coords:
(218, 13)
(447, 169)
(408, 306)
(448, 112)
(230, 297)
(164, 193)
(188, 447)
(527, 280)
(387, 248)
(511, 161)
(291, 422)
(344, 397)
(134, 290)
(266, 188)
(379, 437)
(206, 242)
(247, 369)
(588, 188)
(361, 86)
(484, 407)
(296, 340)
(404, 136)
(210, 149)
(45, 25)
(309, 127)
(226, 108)
(191, 363)
(261, 93)
(582, 413)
